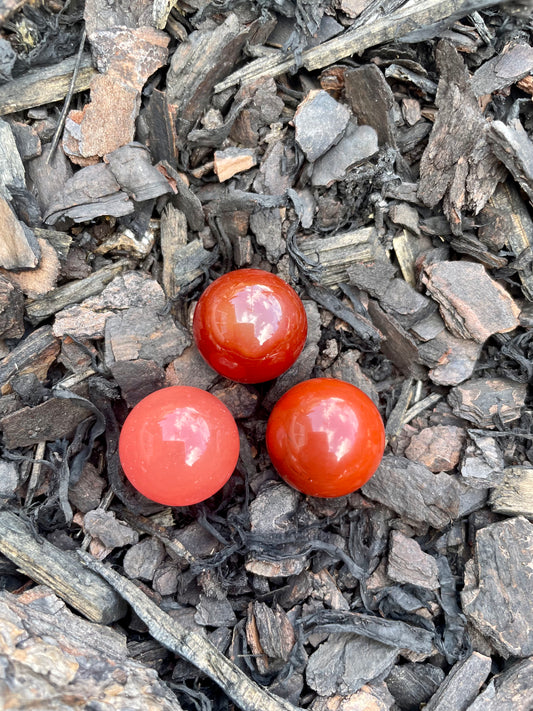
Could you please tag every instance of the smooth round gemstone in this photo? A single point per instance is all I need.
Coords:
(179, 446)
(325, 437)
(250, 325)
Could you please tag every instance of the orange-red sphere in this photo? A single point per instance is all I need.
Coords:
(250, 325)
(325, 437)
(179, 446)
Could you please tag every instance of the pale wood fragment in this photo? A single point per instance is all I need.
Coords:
(514, 495)
(45, 85)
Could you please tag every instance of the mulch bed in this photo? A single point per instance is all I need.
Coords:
(378, 156)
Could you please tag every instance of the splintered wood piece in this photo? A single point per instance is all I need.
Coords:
(473, 305)
(399, 346)
(462, 684)
(413, 684)
(372, 100)
(190, 369)
(11, 166)
(18, 246)
(319, 123)
(506, 217)
(337, 254)
(497, 593)
(173, 238)
(408, 247)
(231, 161)
(90, 193)
(198, 63)
(161, 119)
(457, 163)
(415, 492)
(377, 29)
(508, 691)
(45, 85)
(408, 564)
(126, 57)
(67, 662)
(484, 401)
(191, 645)
(497, 73)
(514, 495)
(512, 145)
(73, 292)
(11, 309)
(59, 570)
(438, 448)
(53, 419)
(34, 354)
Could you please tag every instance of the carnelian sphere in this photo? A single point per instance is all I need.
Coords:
(179, 445)
(250, 325)
(325, 437)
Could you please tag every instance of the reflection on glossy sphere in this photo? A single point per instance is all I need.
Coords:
(325, 437)
(250, 326)
(179, 446)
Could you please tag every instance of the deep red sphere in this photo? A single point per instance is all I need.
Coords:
(325, 437)
(179, 446)
(250, 325)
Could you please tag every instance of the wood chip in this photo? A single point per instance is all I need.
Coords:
(438, 448)
(482, 465)
(19, 248)
(345, 662)
(413, 491)
(409, 564)
(336, 255)
(508, 691)
(11, 309)
(485, 400)
(59, 570)
(45, 85)
(53, 419)
(471, 303)
(457, 164)
(513, 496)
(371, 100)
(357, 144)
(501, 71)
(233, 160)
(73, 292)
(462, 684)
(34, 354)
(496, 595)
(511, 144)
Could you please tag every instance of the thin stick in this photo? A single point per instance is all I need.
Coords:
(191, 646)
(68, 99)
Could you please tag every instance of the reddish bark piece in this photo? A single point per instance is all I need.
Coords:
(39, 281)
(232, 160)
(472, 304)
(125, 58)
(438, 448)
